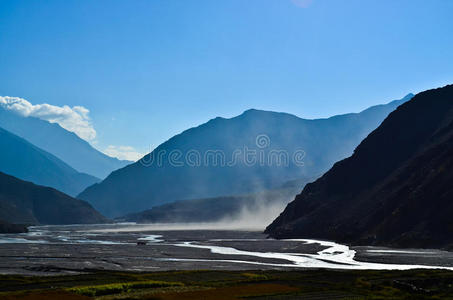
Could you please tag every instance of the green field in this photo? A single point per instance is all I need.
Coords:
(310, 284)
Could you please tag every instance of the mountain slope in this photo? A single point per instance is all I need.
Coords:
(395, 190)
(155, 180)
(27, 162)
(63, 144)
(259, 208)
(23, 202)
(6, 227)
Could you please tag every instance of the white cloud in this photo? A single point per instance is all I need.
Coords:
(75, 119)
(123, 152)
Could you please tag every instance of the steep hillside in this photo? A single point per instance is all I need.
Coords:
(172, 171)
(63, 144)
(23, 202)
(27, 162)
(395, 190)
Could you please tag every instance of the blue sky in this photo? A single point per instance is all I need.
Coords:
(148, 69)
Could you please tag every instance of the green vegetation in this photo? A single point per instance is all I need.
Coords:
(255, 277)
(308, 284)
(117, 288)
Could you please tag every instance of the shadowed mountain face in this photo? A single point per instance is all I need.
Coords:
(185, 166)
(27, 162)
(6, 227)
(63, 144)
(23, 202)
(395, 190)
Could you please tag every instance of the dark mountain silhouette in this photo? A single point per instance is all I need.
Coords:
(395, 190)
(6, 227)
(27, 162)
(63, 144)
(154, 180)
(23, 202)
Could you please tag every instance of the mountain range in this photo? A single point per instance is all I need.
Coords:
(395, 190)
(65, 145)
(21, 159)
(23, 202)
(202, 162)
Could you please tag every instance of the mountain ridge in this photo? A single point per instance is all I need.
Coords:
(62, 143)
(389, 191)
(145, 185)
(24, 202)
(28, 162)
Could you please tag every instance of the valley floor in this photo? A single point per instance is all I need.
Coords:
(127, 261)
(67, 250)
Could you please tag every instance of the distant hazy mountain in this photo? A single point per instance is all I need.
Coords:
(27, 162)
(250, 208)
(64, 144)
(395, 190)
(161, 178)
(23, 202)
